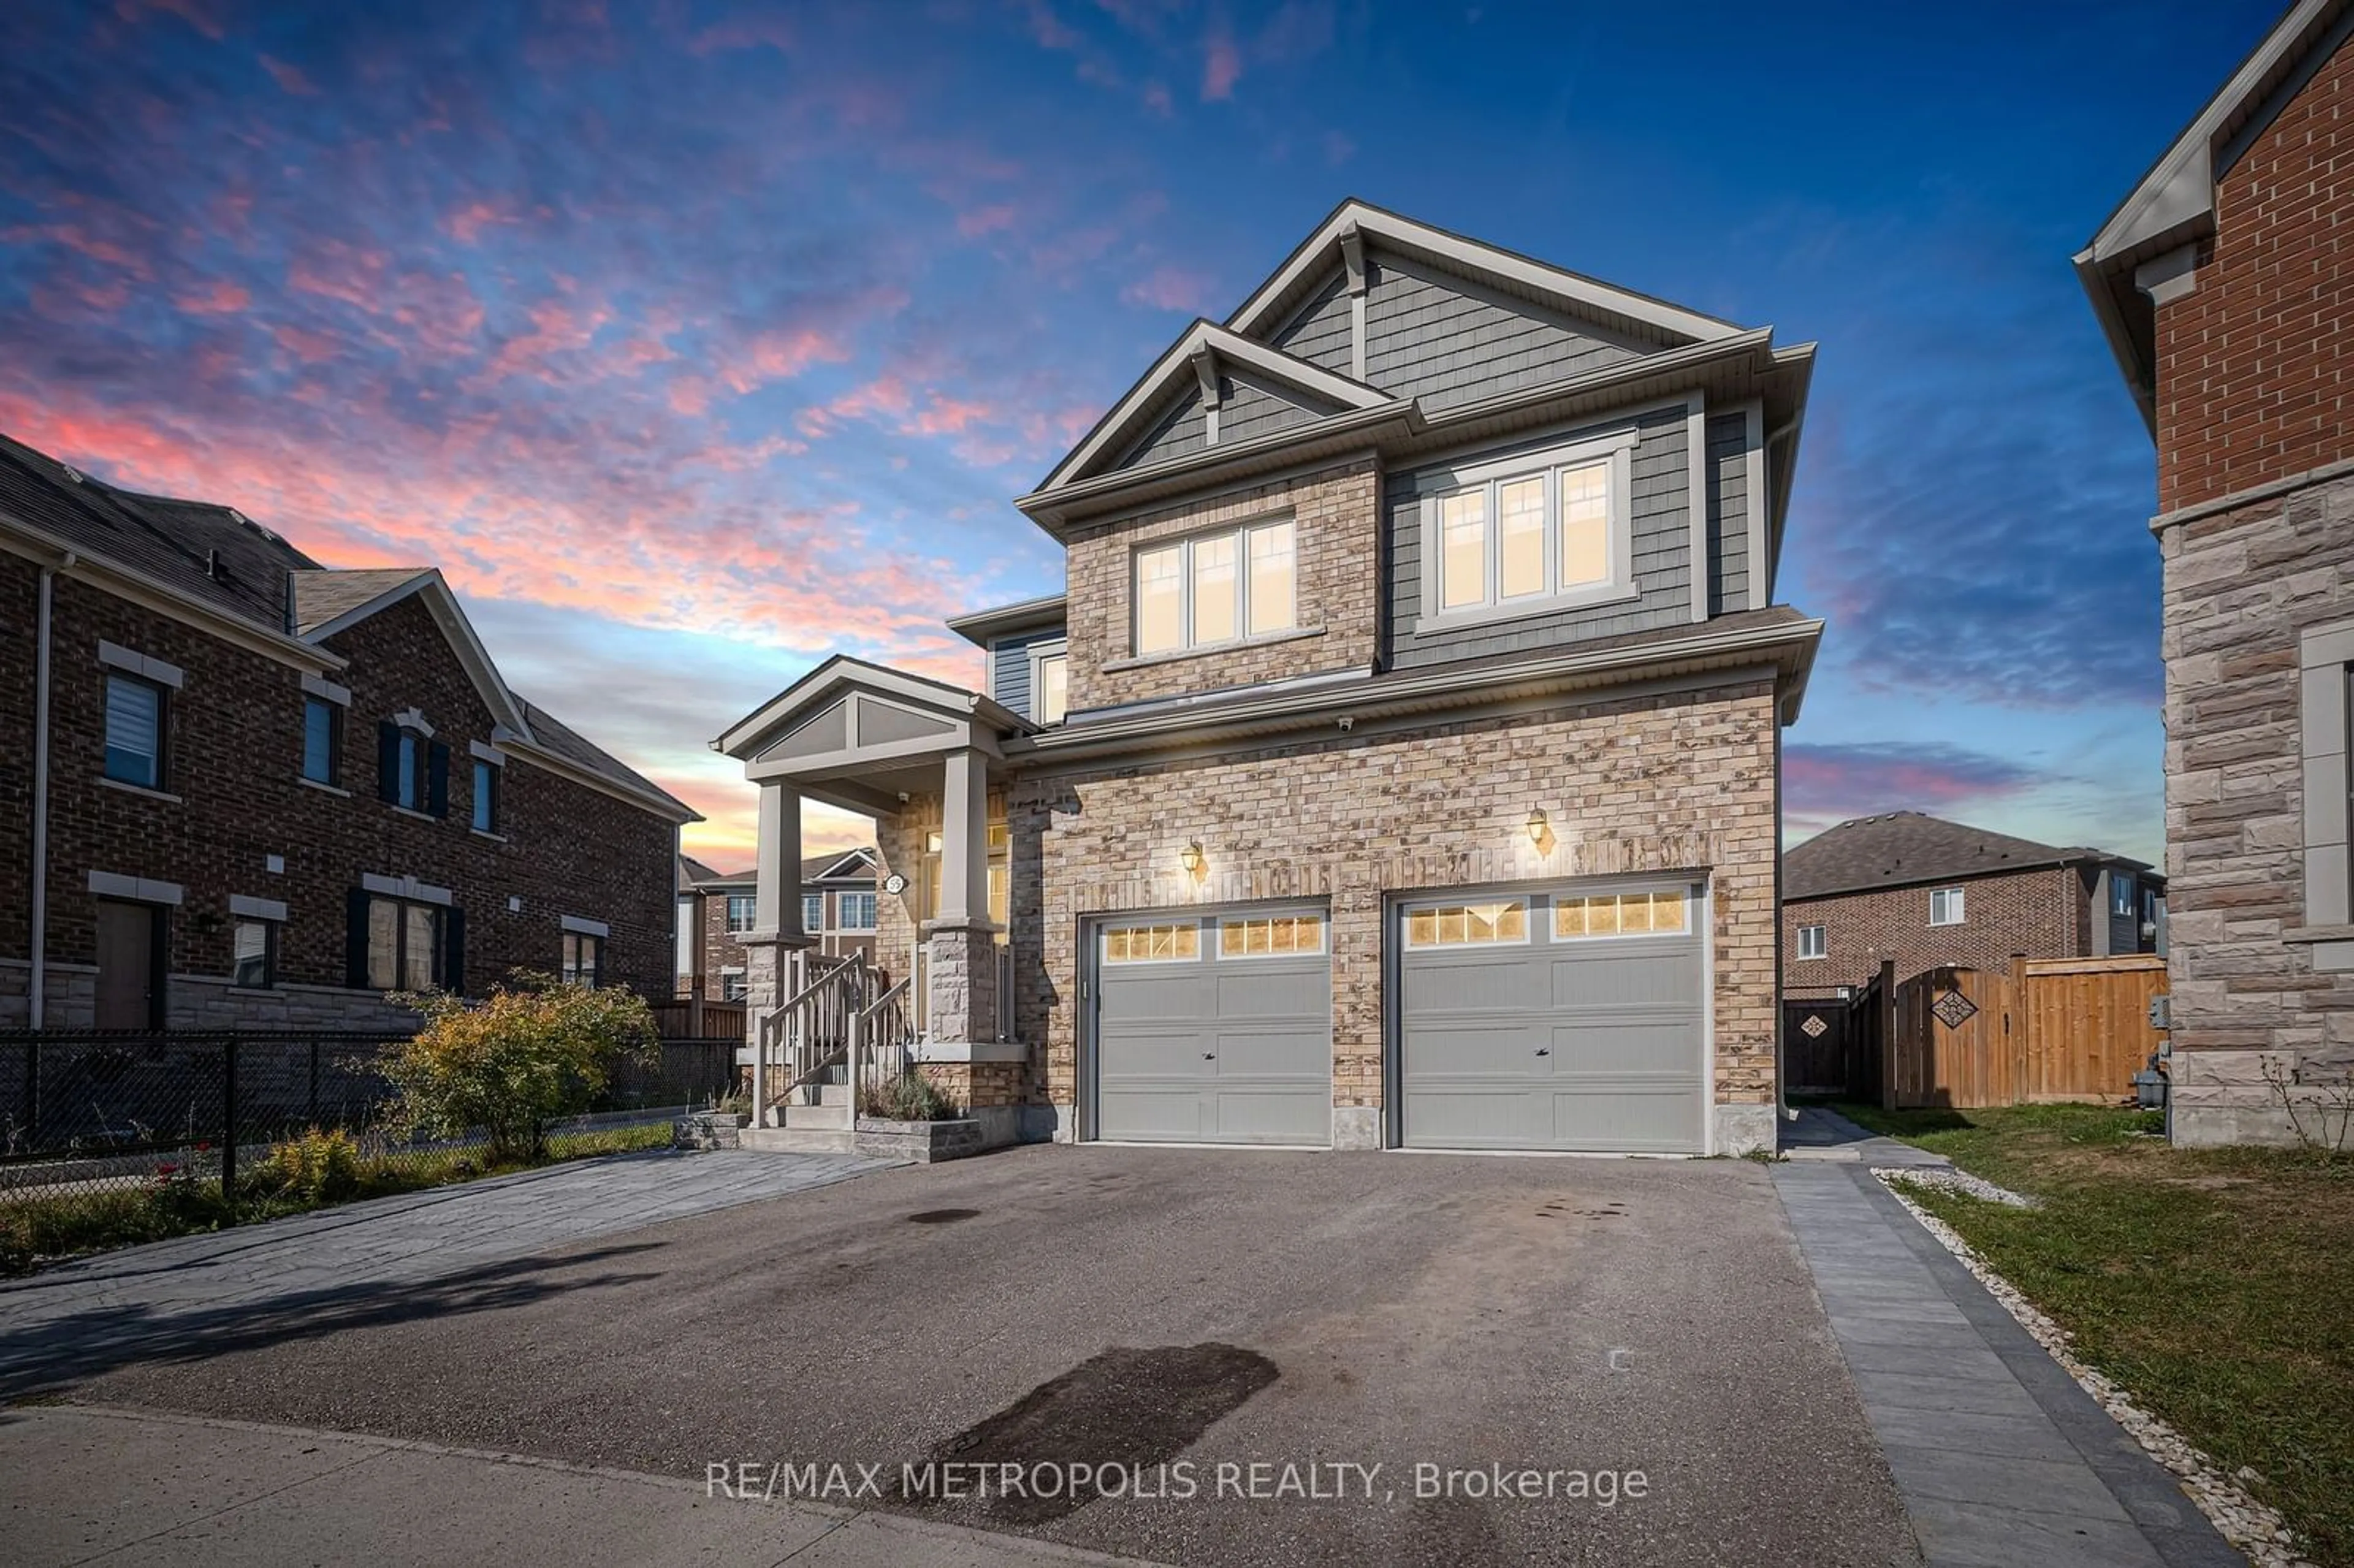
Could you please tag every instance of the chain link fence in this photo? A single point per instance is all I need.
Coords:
(111, 1137)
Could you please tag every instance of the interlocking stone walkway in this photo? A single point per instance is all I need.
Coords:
(1999, 1456)
(340, 1265)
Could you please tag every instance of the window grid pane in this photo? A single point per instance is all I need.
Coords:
(384, 944)
(1272, 580)
(1054, 693)
(1271, 935)
(1620, 915)
(1463, 548)
(1215, 588)
(1159, 600)
(1520, 541)
(416, 944)
(1469, 925)
(1585, 524)
(1151, 944)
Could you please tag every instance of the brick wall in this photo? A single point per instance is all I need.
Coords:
(2043, 914)
(233, 796)
(2255, 365)
(1674, 782)
(1336, 536)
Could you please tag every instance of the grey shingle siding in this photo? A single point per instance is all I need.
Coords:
(1320, 333)
(1447, 341)
(1662, 555)
(1728, 514)
(1184, 428)
(1247, 408)
(1009, 659)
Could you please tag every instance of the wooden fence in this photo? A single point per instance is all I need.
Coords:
(692, 1018)
(2050, 1029)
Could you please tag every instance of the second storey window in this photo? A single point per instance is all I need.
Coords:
(1946, 906)
(1050, 687)
(743, 909)
(134, 731)
(412, 769)
(1527, 537)
(1812, 943)
(2121, 900)
(1215, 588)
(856, 910)
(323, 740)
(813, 911)
(486, 796)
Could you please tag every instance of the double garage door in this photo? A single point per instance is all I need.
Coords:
(1567, 1020)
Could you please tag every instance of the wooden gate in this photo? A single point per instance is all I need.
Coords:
(2052, 1028)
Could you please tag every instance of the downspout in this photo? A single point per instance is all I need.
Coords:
(36, 985)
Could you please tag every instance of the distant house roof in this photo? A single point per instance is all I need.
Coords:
(1901, 848)
(692, 871)
(855, 865)
(215, 558)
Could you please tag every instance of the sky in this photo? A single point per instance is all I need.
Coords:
(695, 341)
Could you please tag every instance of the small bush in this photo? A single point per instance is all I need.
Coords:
(315, 1168)
(911, 1097)
(532, 1052)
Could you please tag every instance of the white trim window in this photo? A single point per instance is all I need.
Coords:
(1213, 589)
(743, 912)
(812, 912)
(135, 730)
(854, 911)
(1524, 535)
(1813, 942)
(1270, 936)
(1948, 906)
(1050, 683)
(1500, 922)
(1620, 915)
(1176, 943)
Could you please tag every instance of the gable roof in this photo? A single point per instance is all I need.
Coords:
(241, 579)
(2173, 204)
(855, 865)
(840, 672)
(1203, 341)
(1901, 848)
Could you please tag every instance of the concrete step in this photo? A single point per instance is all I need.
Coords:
(832, 1093)
(796, 1139)
(813, 1117)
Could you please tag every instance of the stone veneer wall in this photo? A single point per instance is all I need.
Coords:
(2242, 586)
(1337, 539)
(1678, 781)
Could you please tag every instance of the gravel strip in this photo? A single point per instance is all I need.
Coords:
(1947, 1180)
(2247, 1524)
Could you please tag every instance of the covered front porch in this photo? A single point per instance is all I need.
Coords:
(919, 758)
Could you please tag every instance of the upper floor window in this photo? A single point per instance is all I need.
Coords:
(1216, 588)
(856, 911)
(323, 740)
(2122, 897)
(813, 911)
(134, 731)
(1050, 687)
(1812, 943)
(486, 796)
(412, 768)
(743, 911)
(1532, 536)
(1946, 906)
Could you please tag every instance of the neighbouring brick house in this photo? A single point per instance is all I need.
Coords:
(1400, 765)
(269, 791)
(2224, 283)
(716, 912)
(1923, 893)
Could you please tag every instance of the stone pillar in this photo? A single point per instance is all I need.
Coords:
(960, 951)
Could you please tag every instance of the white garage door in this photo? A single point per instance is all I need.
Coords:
(1561, 1020)
(1214, 1028)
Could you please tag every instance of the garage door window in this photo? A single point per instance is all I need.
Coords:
(1272, 936)
(1620, 915)
(1151, 944)
(1467, 925)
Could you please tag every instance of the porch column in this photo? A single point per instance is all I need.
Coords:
(771, 946)
(961, 963)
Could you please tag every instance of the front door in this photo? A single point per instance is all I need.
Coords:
(130, 993)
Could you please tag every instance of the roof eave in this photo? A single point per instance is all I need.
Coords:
(981, 626)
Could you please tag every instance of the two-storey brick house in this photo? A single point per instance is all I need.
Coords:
(1920, 892)
(2224, 284)
(1400, 766)
(718, 910)
(239, 789)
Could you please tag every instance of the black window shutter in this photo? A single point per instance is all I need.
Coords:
(437, 780)
(453, 951)
(356, 939)
(388, 760)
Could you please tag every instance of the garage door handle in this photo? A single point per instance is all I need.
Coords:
(1542, 1051)
(1209, 1056)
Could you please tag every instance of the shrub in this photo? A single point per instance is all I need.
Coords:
(315, 1168)
(911, 1097)
(531, 1051)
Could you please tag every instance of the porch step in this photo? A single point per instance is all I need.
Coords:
(796, 1139)
(813, 1119)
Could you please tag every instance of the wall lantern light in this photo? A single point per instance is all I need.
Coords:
(1538, 826)
(1190, 857)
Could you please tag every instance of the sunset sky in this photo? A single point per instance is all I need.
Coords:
(695, 342)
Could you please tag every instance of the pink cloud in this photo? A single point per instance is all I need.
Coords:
(780, 355)
(198, 17)
(468, 221)
(1222, 63)
(752, 32)
(977, 222)
(310, 348)
(288, 78)
(1170, 287)
(221, 298)
(555, 329)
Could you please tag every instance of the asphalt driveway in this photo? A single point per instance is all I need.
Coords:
(1163, 1313)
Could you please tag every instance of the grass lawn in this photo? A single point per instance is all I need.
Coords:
(2215, 1285)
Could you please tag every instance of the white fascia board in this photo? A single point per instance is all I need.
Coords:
(1570, 289)
(1176, 362)
(843, 672)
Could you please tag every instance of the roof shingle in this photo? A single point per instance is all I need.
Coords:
(1899, 848)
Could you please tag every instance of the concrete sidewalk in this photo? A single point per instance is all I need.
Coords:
(1818, 1132)
(1999, 1456)
(306, 1274)
(90, 1483)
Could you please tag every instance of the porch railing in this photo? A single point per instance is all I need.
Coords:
(799, 1041)
(882, 1034)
